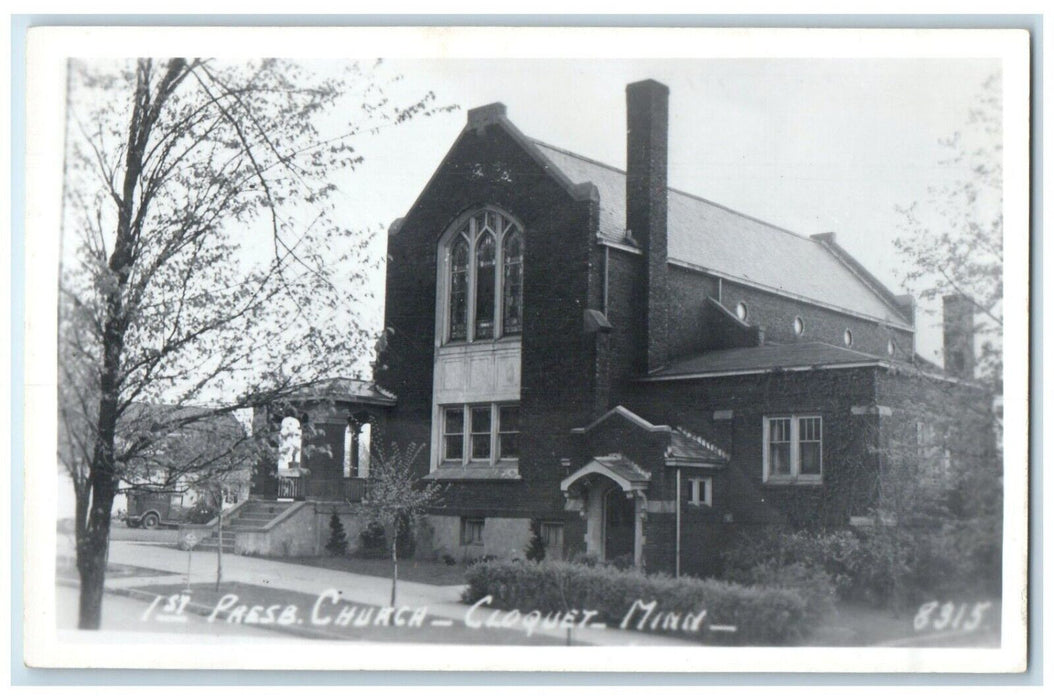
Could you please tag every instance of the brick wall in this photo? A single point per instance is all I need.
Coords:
(487, 166)
(848, 464)
(776, 315)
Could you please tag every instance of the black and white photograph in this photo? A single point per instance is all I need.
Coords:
(630, 349)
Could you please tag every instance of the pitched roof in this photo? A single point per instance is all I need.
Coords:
(620, 469)
(684, 446)
(624, 467)
(792, 356)
(346, 389)
(732, 245)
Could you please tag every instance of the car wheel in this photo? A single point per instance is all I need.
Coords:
(150, 521)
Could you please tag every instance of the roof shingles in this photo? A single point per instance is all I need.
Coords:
(706, 235)
(766, 358)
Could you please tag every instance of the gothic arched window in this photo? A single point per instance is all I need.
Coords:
(512, 296)
(459, 256)
(484, 278)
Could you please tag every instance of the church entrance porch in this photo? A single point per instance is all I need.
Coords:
(618, 525)
(609, 493)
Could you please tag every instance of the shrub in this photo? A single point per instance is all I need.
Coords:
(337, 545)
(761, 615)
(811, 582)
(536, 546)
(201, 513)
(373, 543)
(584, 559)
(883, 565)
(833, 552)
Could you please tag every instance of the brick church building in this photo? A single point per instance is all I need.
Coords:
(634, 371)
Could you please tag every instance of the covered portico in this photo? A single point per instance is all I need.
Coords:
(609, 492)
(322, 435)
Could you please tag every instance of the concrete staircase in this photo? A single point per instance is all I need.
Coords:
(253, 515)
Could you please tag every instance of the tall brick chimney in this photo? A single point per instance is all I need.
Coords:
(647, 116)
(959, 359)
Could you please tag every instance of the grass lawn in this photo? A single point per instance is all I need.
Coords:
(417, 570)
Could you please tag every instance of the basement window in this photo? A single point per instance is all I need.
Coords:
(472, 531)
(553, 535)
(793, 449)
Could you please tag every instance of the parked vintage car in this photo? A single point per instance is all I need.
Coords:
(149, 509)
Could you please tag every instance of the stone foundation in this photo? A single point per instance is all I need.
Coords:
(503, 538)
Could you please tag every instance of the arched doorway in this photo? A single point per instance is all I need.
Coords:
(609, 492)
(619, 525)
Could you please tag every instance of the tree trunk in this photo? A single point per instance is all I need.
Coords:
(219, 549)
(92, 552)
(395, 566)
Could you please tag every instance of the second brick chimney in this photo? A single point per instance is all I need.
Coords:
(959, 357)
(647, 116)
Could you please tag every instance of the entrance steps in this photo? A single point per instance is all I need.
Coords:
(250, 516)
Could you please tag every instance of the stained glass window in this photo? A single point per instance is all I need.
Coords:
(485, 280)
(512, 296)
(459, 290)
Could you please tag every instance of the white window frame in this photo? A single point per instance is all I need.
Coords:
(795, 476)
(704, 484)
(443, 298)
(466, 434)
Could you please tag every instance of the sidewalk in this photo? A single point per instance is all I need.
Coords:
(441, 601)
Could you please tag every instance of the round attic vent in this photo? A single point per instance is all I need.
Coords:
(799, 325)
(741, 311)
(847, 338)
(891, 347)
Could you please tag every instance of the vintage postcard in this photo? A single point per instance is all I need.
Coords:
(527, 349)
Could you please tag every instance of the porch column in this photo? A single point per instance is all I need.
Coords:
(640, 512)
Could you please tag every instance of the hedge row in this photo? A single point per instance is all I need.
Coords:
(761, 615)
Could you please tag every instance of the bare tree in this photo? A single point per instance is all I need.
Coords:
(205, 268)
(396, 498)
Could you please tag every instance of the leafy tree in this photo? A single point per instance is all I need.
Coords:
(201, 255)
(395, 497)
(940, 521)
(952, 241)
(337, 545)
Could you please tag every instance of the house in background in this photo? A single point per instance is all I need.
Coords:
(639, 371)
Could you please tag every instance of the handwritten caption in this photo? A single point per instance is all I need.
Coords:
(330, 610)
(934, 616)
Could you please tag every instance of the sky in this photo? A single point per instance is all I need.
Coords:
(811, 145)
